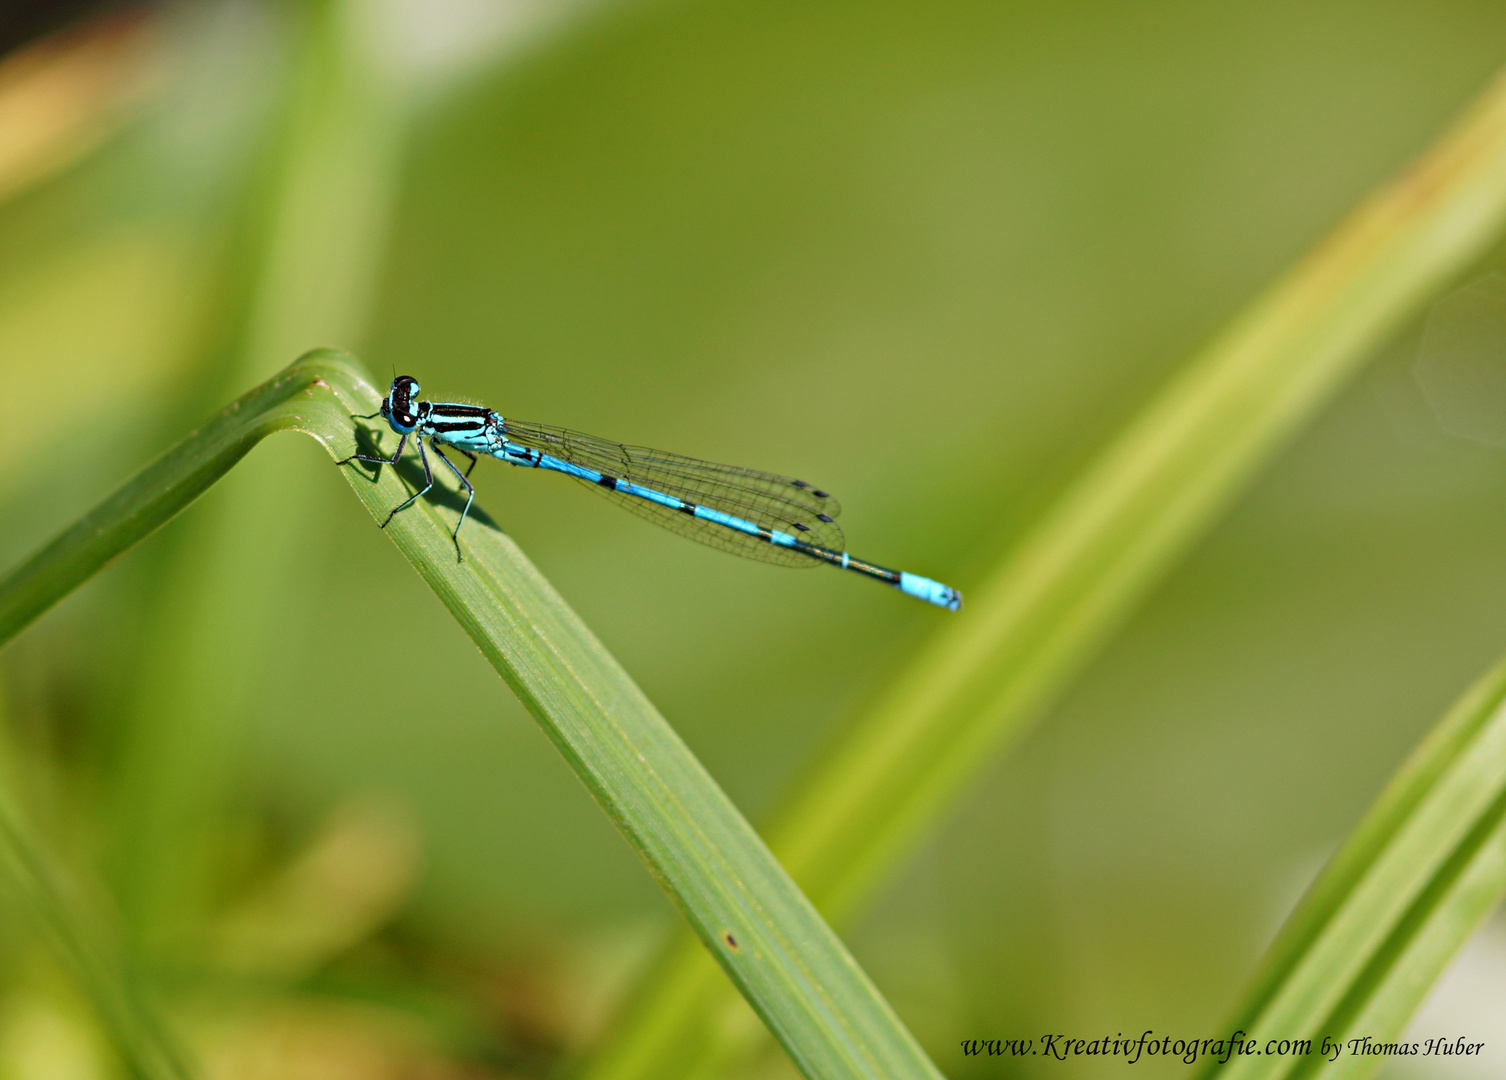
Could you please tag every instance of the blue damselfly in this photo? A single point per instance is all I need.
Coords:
(774, 519)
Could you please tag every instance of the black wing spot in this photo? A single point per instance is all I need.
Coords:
(823, 517)
(818, 493)
(802, 528)
(608, 482)
(800, 483)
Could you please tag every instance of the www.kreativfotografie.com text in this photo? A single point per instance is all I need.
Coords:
(1240, 1044)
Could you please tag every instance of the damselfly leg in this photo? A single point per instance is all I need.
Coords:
(463, 477)
(470, 497)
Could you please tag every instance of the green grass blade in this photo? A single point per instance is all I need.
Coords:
(1133, 513)
(1421, 872)
(744, 907)
(153, 497)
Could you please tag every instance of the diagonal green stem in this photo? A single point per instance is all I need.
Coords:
(1420, 873)
(153, 497)
(767, 937)
(1053, 601)
(83, 948)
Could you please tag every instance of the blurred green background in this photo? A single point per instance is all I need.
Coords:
(929, 255)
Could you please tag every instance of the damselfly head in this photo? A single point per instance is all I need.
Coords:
(399, 405)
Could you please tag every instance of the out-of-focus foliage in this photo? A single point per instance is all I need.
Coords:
(931, 254)
(1412, 883)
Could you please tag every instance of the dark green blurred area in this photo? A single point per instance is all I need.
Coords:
(929, 255)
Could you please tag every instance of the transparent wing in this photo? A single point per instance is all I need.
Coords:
(766, 499)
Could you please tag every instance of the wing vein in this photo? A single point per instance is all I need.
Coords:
(769, 500)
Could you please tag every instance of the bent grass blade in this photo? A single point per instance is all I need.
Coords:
(744, 907)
